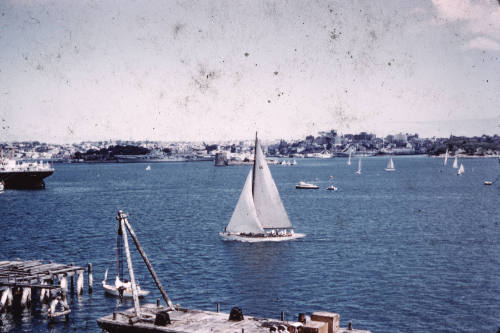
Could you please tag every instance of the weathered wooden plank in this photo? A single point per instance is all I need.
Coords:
(32, 285)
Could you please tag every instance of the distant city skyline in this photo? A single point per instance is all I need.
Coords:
(195, 71)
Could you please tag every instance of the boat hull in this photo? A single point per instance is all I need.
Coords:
(387, 169)
(306, 187)
(254, 239)
(25, 179)
(112, 290)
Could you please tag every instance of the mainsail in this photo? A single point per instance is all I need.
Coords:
(455, 163)
(270, 209)
(244, 217)
(446, 157)
(259, 206)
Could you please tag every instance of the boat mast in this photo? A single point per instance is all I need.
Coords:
(119, 253)
(254, 162)
(121, 219)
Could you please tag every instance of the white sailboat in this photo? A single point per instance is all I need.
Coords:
(259, 214)
(359, 167)
(148, 168)
(455, 163)
(445, 157)
(121, 286)
(461, 170)
(349, 160)
(390, 166)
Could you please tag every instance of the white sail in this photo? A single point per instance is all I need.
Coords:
(455, 163)
(266, 198)
(349, 160)
(359, 167)
(461, 170)
(244, 218)
(446, 157)
(390, 165)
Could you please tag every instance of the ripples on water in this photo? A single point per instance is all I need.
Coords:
(416, 250)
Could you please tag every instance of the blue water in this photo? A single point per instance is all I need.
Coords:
(416, 250)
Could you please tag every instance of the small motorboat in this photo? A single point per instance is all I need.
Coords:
(487, 182)
(306, 186)
(148, 168)
(121, 288)
(332, 188)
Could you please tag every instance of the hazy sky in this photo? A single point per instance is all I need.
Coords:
(208, 70)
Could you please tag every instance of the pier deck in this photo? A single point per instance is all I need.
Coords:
(191, 321)
(33, 273)
(20, 279)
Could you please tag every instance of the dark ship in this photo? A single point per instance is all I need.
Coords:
(24, 175)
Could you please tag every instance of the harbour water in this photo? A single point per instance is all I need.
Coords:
(415, 250)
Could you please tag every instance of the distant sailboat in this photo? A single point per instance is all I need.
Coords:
(148, 168)
(359, 167)
(390, 166)
(455, 163)
(461, 170)
(259, 214)
(349, 160)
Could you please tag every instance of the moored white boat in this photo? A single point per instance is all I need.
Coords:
(487, 182)
(332, 188)
(124, 288)
(306, 186)
(461, 170)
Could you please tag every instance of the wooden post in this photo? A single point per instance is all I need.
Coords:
(148, 264)
(137, 306)
(26, 297)
(79, 284)
(218, 307)
(72, 281)
(91, 280)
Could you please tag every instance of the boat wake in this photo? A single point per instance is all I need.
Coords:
(247, 239)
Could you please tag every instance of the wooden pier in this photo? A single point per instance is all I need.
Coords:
(20, 280)
(158, 319)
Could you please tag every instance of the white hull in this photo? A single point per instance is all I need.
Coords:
(248, 239)
(388, 169)
(112, 290)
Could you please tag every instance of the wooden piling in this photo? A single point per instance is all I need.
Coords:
(130, 267)
(72, 281)
(91, 280)
(79, 284)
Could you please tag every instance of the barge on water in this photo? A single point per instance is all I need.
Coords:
(155, 318)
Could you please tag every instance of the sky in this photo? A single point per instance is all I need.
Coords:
(221, 70)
